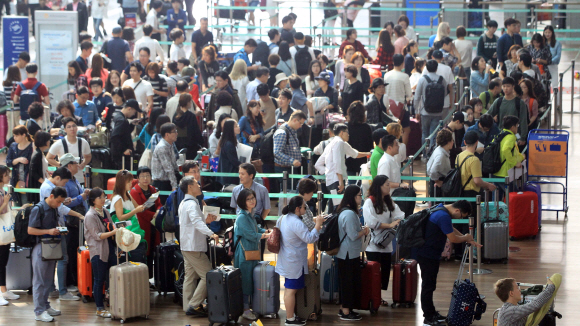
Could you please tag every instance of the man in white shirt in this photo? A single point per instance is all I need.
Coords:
(444, 71)
(332, 163)
(262, 76)
(388, 165)
(398, 89)
(60, 148)
(142, 88)
(147, 42)
(156, 7)
(193, 243)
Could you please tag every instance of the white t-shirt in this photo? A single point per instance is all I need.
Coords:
(390, 167)
(58, 150)
(445, 72)
(465, 49)
(143, 90)
(127, 204)
(177, 52)
(152, 19)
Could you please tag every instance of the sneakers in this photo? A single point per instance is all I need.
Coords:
(45, 317)
(3, 302)
(431, 322)
(54, 294)
(53, 312)
(340, 313)
(72, 288)
(351, 317)
(103, 313)
(10, 296)
(196, 312)
(297, 321)
(439, 317)
(250, 315)
(69, 297)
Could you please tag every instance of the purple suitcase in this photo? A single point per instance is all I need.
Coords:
(534, 187)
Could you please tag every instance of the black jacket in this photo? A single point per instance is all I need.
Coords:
(35, 172)
(120, 136)
(83, 16)
(193, 139)
(228, 162)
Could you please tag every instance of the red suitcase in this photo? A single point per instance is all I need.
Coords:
(415, 137)
(405, 282)
(370, 298)
(523, 214)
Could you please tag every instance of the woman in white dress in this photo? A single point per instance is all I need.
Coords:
(239, 77)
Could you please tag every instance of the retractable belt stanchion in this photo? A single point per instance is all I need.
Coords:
(471, 222)
(285, 187)
(309, 159)
(507, 201)
(572, 90)
(479, 270)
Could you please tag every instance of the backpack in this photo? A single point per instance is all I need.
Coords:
(452, 183)
(27, 97)
(23, 239)
(491, 162)
(267, 145)
(411, 230)
(434, 95)
(539, 91)
(302, 59)
(329, 239)
(79, 143)
(168, 214)
(261, 53)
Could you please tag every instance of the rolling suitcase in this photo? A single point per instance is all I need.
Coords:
(266, 297)
(534, 187)
(523, 214)
(405, 282)
(129, 290)
(308, 304)
(164, 278)
(494, 237)
(329, 291)
(226, 302)
(370, 298)
(84, 268)
(415, 142)
(178, 276)
(466, 304)
(19, 269)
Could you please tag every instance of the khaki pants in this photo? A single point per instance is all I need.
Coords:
(196, 266)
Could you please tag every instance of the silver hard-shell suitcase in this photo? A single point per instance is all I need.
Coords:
(266, 297)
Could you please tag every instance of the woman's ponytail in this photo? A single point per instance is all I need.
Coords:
(285, 210)
(295, 202)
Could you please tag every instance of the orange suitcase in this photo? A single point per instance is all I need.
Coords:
(111, 185)
(84, 269)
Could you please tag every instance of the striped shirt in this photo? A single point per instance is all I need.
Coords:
(159, 84)
(8, 93)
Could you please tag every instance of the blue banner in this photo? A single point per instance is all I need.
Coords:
(15, 34)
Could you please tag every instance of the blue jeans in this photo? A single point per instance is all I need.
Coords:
(101, 277)
(97, 24)
(428, 125)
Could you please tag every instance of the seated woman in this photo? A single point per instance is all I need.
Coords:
(247, 236)
(189, 135)
(64, 109)
(349, 269)
(228, 152)
(293, 256)
(140, 194)
(18, 158)
(38, 171)
(125, 208)
(99, 233)
(381, 215)
(252, 126)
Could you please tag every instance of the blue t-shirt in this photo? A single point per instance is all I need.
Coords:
(438, 226)
(116, 49)
(242, 54)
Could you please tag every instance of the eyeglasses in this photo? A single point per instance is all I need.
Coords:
(144, 176)
(251, 199)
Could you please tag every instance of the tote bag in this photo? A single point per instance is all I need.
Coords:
(7, 227)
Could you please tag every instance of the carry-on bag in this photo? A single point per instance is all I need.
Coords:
(405, 282)
(494, 231)
(466, 304)
(329, 289)
(129, 290)
(308, 304)
(370, 298)
(164, 278)
(84, 268)
(19, 269)
(266, 297)
(226, 302)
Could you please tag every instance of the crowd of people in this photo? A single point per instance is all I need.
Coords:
(275, 98)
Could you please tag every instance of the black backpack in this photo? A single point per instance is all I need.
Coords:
(452, 186)
(261, 53)
(329, 239)
(23, 239)
(491, 162)
(302, 59)
(267, 145)
(435, 93)
(80, 145)
(411, 230)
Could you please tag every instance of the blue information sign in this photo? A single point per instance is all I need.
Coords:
(15, 34)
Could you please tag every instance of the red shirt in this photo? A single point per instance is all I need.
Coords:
(358, 47)
(29, 84)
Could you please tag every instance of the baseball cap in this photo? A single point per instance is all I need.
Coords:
(324, 76)
(68, 158)
(133, 104)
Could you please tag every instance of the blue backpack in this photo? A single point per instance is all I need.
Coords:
(168, 220)
(27, 97)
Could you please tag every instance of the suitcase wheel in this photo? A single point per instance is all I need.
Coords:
(372, 309)
(313, 316)
(122, 321)
(393, 305)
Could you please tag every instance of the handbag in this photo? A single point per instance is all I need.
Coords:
(258, 165)
(51, 248)
(251, 254)
(384, 239)
(146, 157)
(273, 241)
(7, 227)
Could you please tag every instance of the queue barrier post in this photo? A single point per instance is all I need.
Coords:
(479, 270)
(471, 225)
(572, 89)
(554, 108)
(467, 95)
(309, 159)
(88, 176)
(285, 187)
(411, 158)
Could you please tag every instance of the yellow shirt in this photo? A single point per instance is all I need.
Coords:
(471, 167)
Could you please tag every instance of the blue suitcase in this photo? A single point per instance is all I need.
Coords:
(495, 214)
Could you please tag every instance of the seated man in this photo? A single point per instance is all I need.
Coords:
(512, 314)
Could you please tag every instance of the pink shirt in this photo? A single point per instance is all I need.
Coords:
(75, 6)
(400, 44)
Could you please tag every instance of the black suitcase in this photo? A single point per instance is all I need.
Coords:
(225, 301)
(375, 17)
(222, 257)
(178, 274)
(164, 278)
(101, 159)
